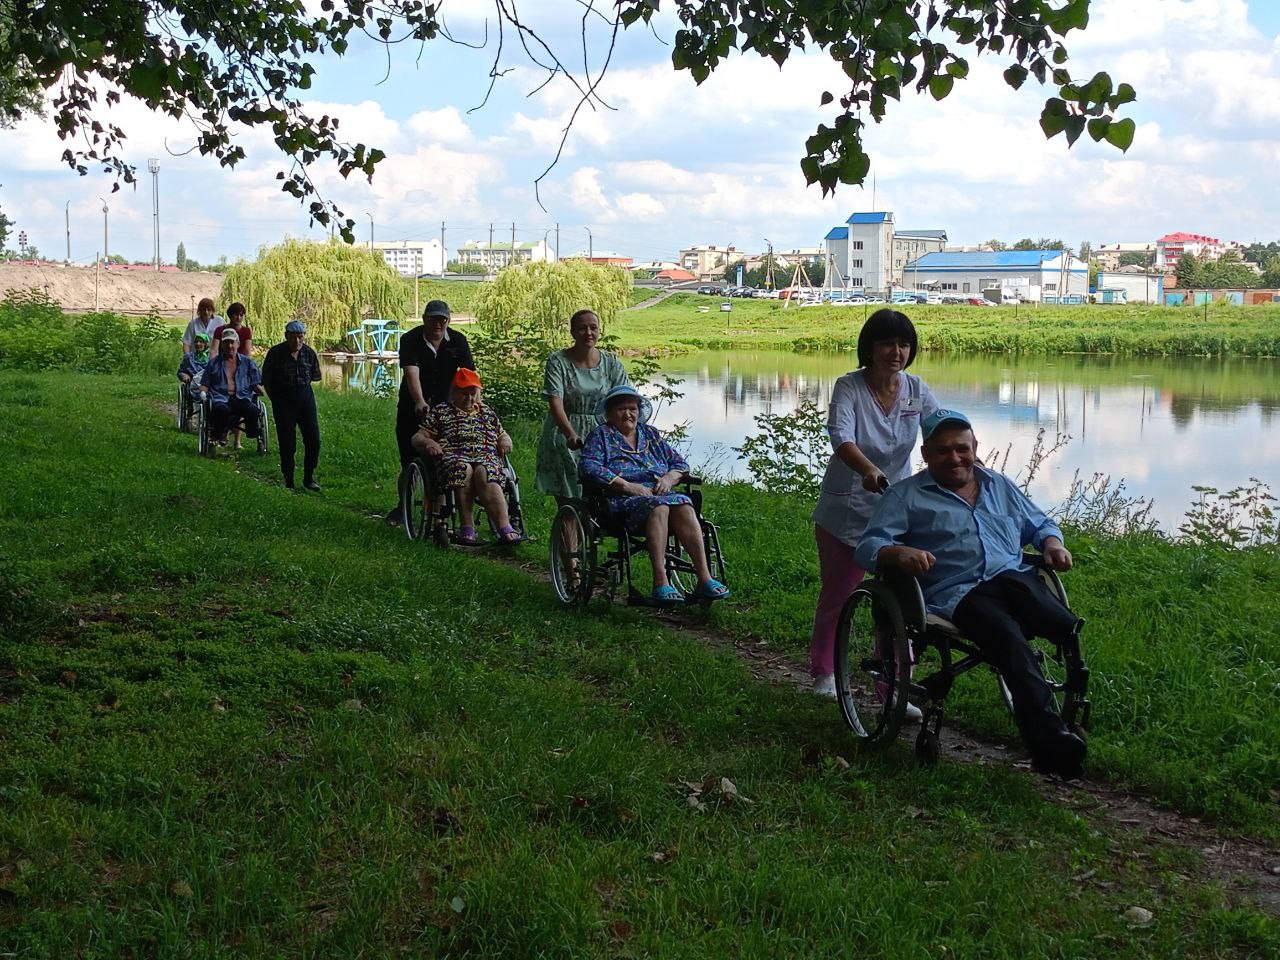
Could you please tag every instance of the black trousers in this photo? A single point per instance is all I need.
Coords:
(406, 427)
(223, 417)
(295, 412)
(1001, 616)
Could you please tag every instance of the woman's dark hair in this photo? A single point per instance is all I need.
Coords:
(885, 324)
(584, 312)
(236, 309)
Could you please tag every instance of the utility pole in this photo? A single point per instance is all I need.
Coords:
(444, 254)
(591, 250)
(370, 216)
(489, 258)
(557, 242)
(768, 273)
(67, 211)
(512, 261)
(153, 167)
(106, 255)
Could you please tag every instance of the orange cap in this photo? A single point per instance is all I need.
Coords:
(466, 377)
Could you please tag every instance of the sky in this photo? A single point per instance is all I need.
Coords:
(671, 163)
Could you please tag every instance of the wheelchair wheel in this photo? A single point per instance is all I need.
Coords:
(264, 424)
(873, 664)
(573, 555)
(414, 501)
(680, 568)
(205, 445)
(184, 407)
(1062, 665)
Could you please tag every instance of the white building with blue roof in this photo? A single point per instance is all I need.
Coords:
(1049, 276)
(860, 254)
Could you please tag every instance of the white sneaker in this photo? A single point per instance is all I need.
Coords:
(913, 714)
(824, 685)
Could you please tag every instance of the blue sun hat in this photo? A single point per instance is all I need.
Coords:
(929, 426)
(625, 390)
(295, 326)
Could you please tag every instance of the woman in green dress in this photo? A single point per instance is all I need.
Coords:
(577, 379)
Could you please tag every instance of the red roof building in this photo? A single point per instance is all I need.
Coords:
(676, 276)
(1173, 245)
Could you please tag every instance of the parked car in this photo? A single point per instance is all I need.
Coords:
(977, 302)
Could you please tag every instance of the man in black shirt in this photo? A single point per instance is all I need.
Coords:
(429, 357)
(287, 373)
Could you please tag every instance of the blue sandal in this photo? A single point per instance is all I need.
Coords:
(712, 589)
(667, 595)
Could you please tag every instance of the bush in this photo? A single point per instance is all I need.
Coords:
(544, 295)
(36, 335)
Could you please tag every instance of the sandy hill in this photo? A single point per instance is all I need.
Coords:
(134, 291)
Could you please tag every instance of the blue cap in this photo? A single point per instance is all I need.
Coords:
(624, 390)
(295, 326)
(930, 424)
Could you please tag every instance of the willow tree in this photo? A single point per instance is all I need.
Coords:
(542, 295)
(331, 286)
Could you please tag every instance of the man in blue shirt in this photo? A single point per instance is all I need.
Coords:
(960, 529)
(232, 382)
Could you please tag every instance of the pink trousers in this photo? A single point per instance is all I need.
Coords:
(840, 577)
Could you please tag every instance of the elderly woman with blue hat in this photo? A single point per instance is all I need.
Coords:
(288, 371)
(638, 468)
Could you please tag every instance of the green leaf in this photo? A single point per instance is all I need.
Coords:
(1015, 76)
(940, 85)
(1098, 127)
(958, 69)
(826, 97)
(1053, 119)
(1121, 133)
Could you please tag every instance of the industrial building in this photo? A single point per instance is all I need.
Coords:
(1048, 276)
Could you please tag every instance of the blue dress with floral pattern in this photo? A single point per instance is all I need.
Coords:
(607, 455)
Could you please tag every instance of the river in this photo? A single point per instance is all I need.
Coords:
(1162, 425)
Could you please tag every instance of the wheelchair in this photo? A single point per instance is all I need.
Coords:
(430, 509)
(204, 426)
(188, 405)
(582, 561)
(885, 627)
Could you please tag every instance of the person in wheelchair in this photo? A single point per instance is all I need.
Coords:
(468, 440)
(959, 529)
(190, 373)
(232, 382)
(636, 468)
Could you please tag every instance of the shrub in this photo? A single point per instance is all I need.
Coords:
(543, 296)
(36, 335)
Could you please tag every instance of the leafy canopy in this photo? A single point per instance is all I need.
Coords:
(249, 63)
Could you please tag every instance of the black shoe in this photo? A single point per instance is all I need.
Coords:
(1062, 753)
(311, 485)
(288, 482)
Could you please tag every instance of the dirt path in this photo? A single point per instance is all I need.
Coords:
(655, 299)
(1246, 868)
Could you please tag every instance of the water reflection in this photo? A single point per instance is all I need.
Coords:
(1163, 425)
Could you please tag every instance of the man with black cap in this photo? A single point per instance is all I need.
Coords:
(959, 528)
(429, 357)
(287, 374)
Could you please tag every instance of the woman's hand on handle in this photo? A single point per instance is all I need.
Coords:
(873, 481)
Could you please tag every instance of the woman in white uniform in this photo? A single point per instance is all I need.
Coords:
(874, 424)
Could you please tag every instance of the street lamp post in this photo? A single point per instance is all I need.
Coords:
(768, 273)
(153, 167)
(370, 216)
(67, 212)
(106, 252)
(591, 250)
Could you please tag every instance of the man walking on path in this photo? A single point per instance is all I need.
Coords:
(287, 374)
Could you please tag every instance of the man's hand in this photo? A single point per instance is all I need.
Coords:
(184, 378)
(1056, 556)
(420, 410)
(906, 560)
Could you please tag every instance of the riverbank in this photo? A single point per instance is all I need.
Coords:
(261, 722)
(688, 322)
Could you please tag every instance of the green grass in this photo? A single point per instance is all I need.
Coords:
(237, 721)
(689, 321)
